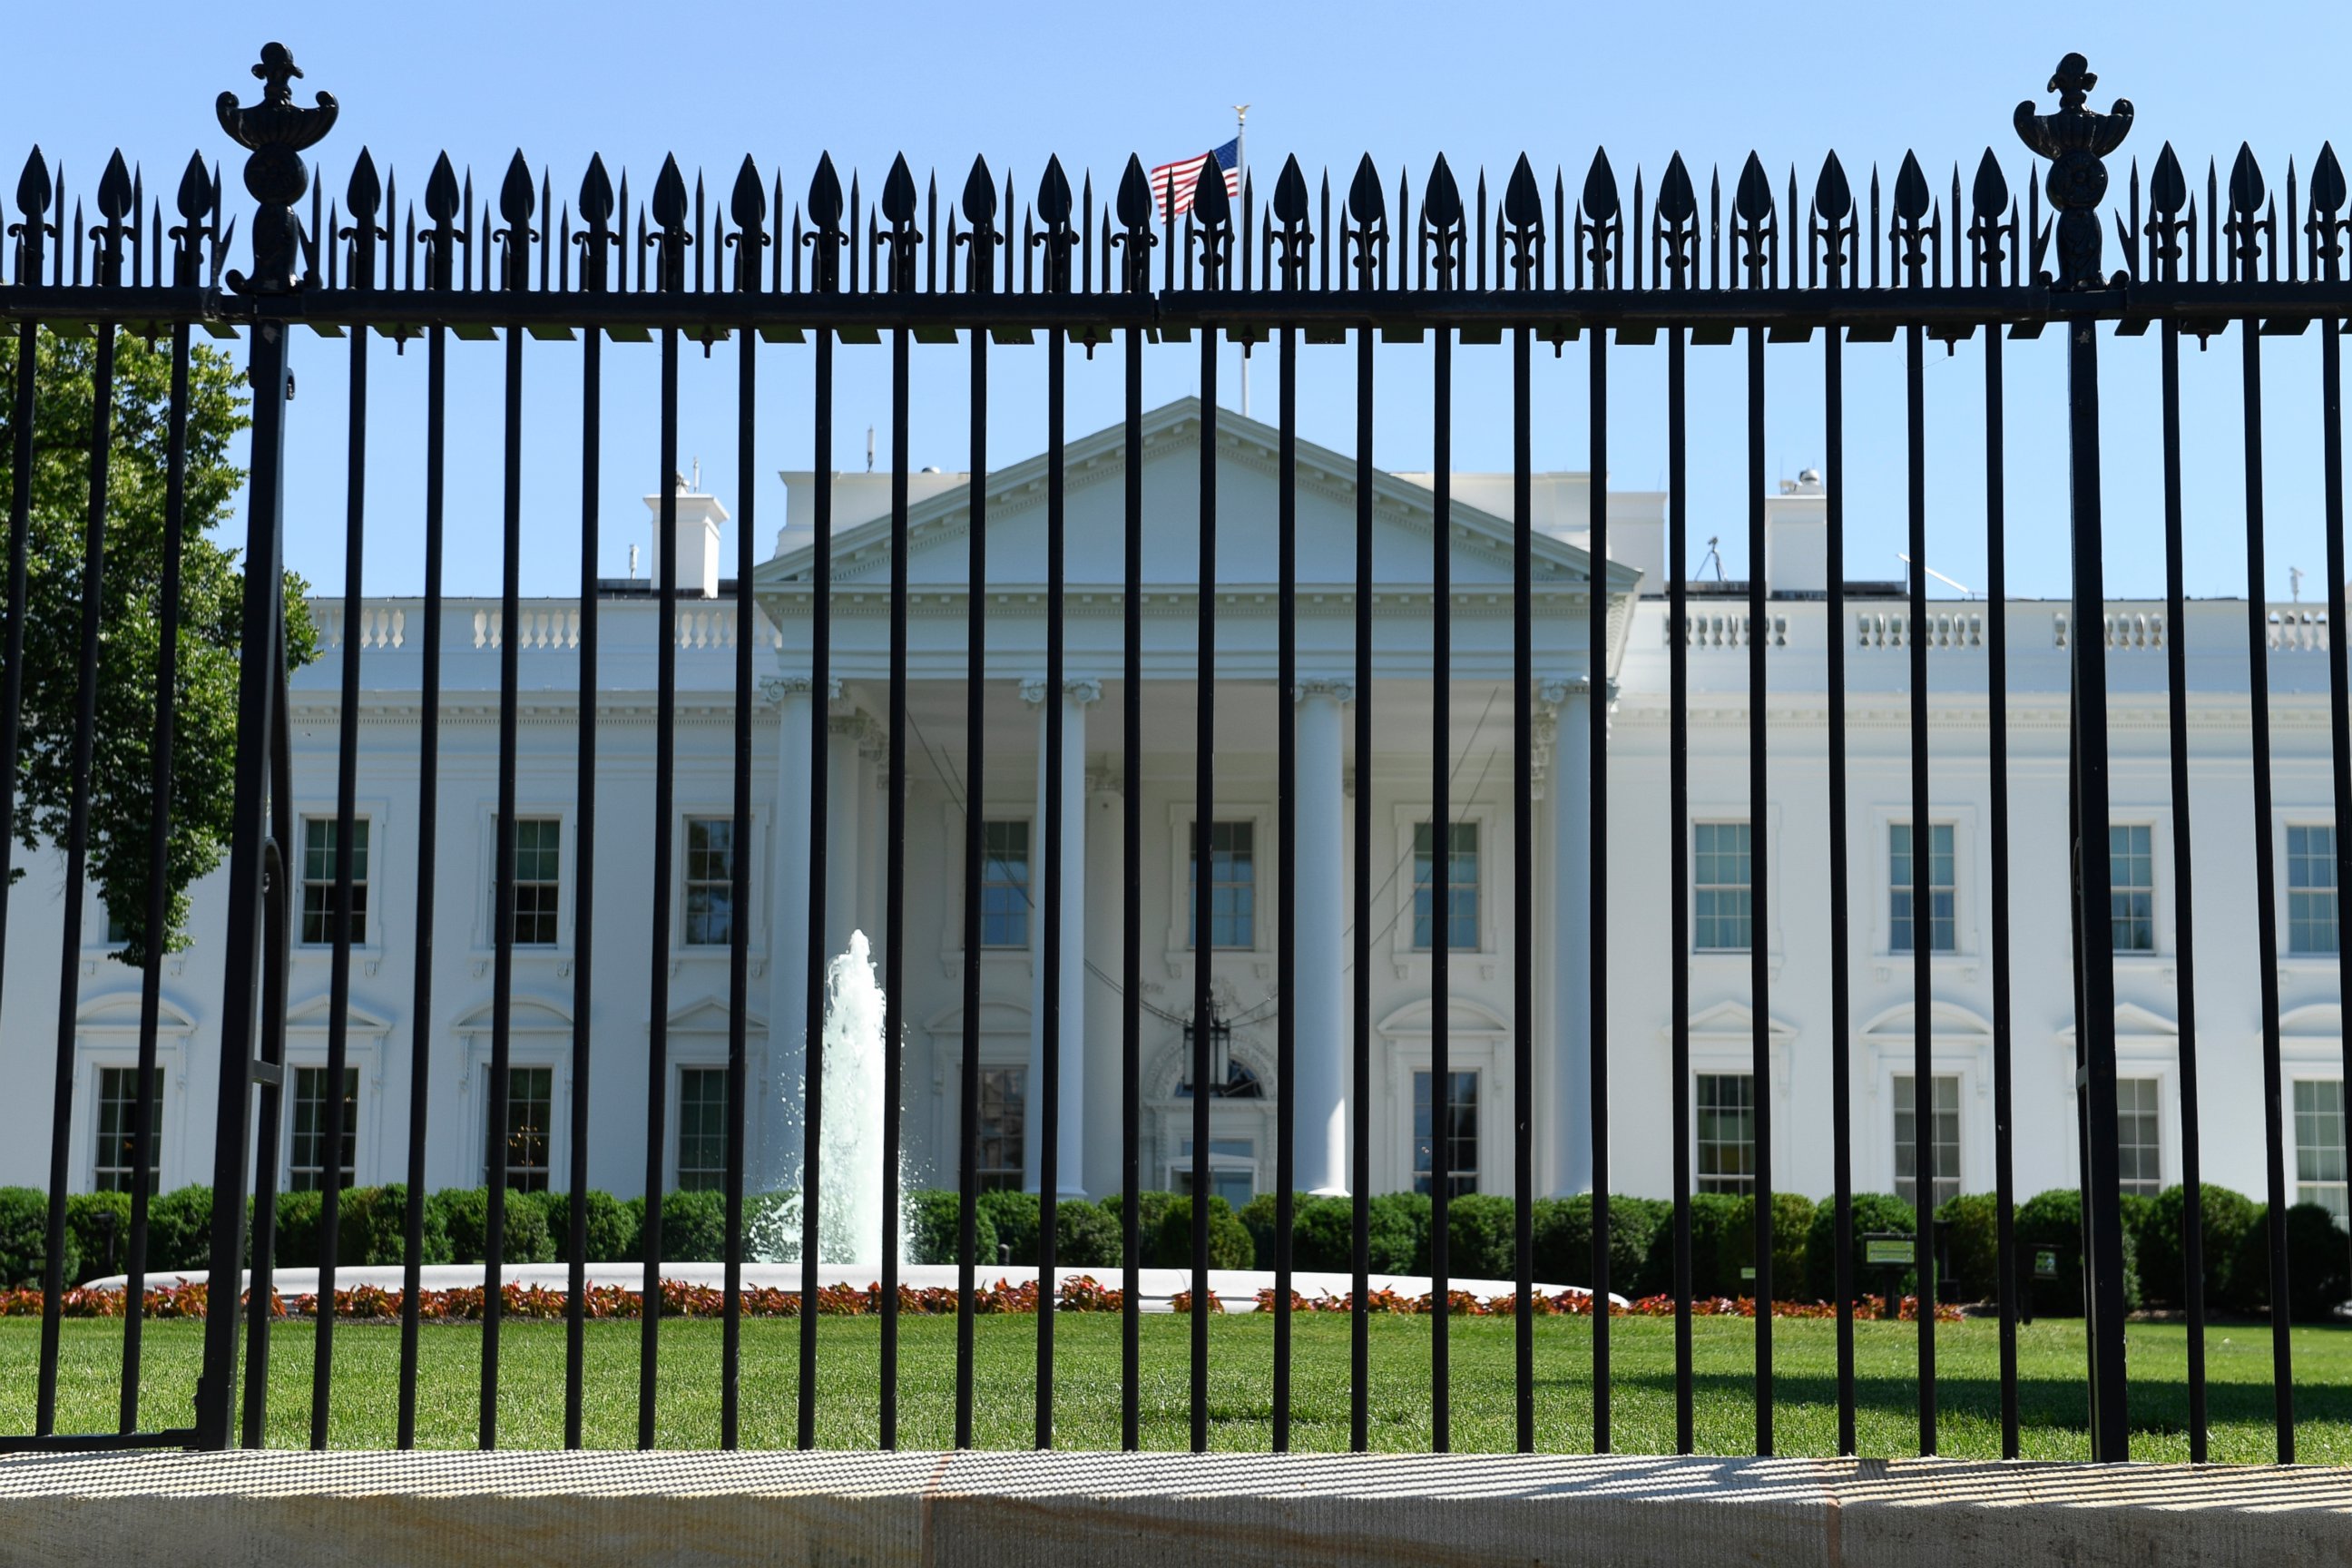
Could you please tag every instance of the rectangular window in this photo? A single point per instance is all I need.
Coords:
(539, 865)
(531, 1114)
(1460, 1132)
(1005, 884)
(1727, 1132)
(118, 929)
(701, 1130)
(1943, 1143)
(117, 1115)
(2139, 1136)
(1004, 1095)
(1461, 887)
(1233, 1169)
(307, 1163)
(710, 881)
(1232, 886)
(2310, 890)
(1943, 926)
(319, 880)
(2131, 877)
(1722, 878)
(2319, 1171)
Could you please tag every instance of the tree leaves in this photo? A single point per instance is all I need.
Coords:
(212, 587)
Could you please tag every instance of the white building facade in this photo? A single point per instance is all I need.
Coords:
(550, 1043)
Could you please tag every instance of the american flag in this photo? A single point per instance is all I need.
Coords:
(1179, 180)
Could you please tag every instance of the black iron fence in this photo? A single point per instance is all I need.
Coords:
(1597, 265)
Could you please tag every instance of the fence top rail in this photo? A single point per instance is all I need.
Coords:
(1554, 254)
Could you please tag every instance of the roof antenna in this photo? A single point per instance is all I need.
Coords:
(869, 449)
(1715, 554)
(2295, 584)
(694, 486)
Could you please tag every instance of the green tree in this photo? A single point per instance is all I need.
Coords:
(212, 587)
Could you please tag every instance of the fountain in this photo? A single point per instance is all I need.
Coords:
(850, 1172)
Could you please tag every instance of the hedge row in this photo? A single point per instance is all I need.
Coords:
(1481, 1233)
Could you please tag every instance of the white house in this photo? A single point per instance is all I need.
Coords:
(1394, 784)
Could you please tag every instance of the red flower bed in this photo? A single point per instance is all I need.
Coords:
(1074, 1293)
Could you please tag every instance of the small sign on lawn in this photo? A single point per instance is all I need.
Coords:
(1891, 1251)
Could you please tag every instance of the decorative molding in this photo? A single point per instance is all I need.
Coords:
(1338, 688)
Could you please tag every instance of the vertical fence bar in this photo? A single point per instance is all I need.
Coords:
(428, 833)
(667, 831)
(739, 864)
(1678, 820)
(269, 1065)
(241, 1004)
(894, 916)
(1597, 686)
(1923, 860)
(583, 900)
(502, 908)
(1759, 948)
(1523, 907)
(20, 530)
(1441, 867)
(1131, 1024)
(1205, 783)
(974, 868)
(1057, 869)
(158, 849)
(1840, 955)
(820, 733)
(1286, 718)
(2339, 680)
(2103, 1239)
(332, 1129)
(1360, 1133)
(77, 847)
(2265, 885)
(2004, 1103)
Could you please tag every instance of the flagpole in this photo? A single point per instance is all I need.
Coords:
(1241, 168)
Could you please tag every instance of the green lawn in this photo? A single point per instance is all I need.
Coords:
(1241, 1382)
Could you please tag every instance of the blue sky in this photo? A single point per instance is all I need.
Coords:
(1092, 83)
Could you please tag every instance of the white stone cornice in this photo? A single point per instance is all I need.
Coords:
(776, 688)
(1338, 688)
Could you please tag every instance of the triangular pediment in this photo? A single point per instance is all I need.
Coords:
(709, 1016)
(2133, 1022)
(939, 527)
(1463, 1019)
(1736, 1020)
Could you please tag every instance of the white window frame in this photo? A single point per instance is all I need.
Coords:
(1012, 961)
(750, 839)
(2310, 1047)
(1723, 1040)
(1480, 1043)
(1960, 1047)
(2148, 1044)
(365, 1043)
(1006, 1026)
(1899, 1104)
(486, 911)
(2289, 960)
(1967, 847)
(1733, 962)
(375, 811)
(106, 1034)
(1413, 963)
(540, 1033)
(1263, 853)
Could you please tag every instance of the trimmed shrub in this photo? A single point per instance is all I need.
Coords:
(99, 1224)
(375, 1227)
(693, 1227)
(935, 1225)
(1721, 1243)
(295, 1227)
(1973, 1226)
(2226, 1217)
(1229, 1244)
(25, 1237)
(614, 1230)
(2054, 1220)
(1015, 1214)
(1564, 1240)
(1322, 1234)
(2318, 1261)
(1871, 1211)
(1482, 1236)
(1257, 1217)
(1084, 1235)
(1792, 1229)
(179, 1229)
(1150, 1207)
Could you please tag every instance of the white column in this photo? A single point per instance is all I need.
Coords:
(1319, 985)
(773, 1122)
(1105, 898)
(844, 801)
(1570, 789)
(1069, 865)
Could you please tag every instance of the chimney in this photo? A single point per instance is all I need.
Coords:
(693, 556)
(1796, 536)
